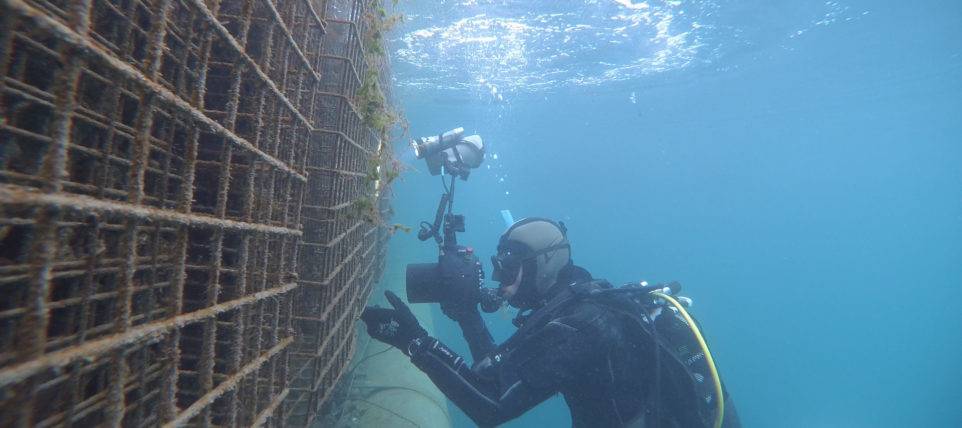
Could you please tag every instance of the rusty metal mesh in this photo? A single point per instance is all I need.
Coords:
(177, 240)
(341, 255)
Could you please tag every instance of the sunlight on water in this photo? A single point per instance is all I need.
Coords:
(507, 46)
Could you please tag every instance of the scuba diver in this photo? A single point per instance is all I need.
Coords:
(620, 358)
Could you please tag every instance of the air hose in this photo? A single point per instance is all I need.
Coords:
(720, 402)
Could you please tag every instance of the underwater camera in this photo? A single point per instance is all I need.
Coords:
(450, 153)
(458, 276)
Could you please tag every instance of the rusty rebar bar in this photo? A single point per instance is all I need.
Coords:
(155, 200)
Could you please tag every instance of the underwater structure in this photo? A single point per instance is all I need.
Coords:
(181, 241)
(382, 388)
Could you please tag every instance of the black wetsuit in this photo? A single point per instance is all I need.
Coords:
(596, 357)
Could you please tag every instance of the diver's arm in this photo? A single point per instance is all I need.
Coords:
(480, 398)
(473, 329)
(542, 363)
(476, 333)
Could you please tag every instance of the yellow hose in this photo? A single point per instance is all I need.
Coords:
(720, 401)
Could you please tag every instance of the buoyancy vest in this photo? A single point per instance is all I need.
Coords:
(680, 361)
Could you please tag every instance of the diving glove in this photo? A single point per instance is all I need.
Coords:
(397, 327)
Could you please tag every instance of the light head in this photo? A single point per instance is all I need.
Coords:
(450, 153)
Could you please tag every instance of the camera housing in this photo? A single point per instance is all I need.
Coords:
(455, 277)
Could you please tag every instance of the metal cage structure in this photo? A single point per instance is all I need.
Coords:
(178, 244)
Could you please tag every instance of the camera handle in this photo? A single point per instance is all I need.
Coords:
(450, 224)
(444, 220)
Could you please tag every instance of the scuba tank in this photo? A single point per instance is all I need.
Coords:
(677, 337)
(680, 349)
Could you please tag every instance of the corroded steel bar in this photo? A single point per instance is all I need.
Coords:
(15, 195)
(142, 146)
(138, 334)
(6, 45)
(346, 99)
(85, 47)
(347, 342)
(232, 382)
(346, 138)
(165, 223)
(271, 409)
(290, 39)
(209, 16)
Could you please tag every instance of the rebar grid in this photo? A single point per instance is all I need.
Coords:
(341, 255)
(165, 165)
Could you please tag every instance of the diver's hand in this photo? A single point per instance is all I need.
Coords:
(397, 327)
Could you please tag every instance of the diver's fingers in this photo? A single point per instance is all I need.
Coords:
(396, 301)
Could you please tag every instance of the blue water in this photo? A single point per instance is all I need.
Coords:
(797, 165)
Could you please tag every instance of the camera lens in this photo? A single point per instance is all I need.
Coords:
(423, 282)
